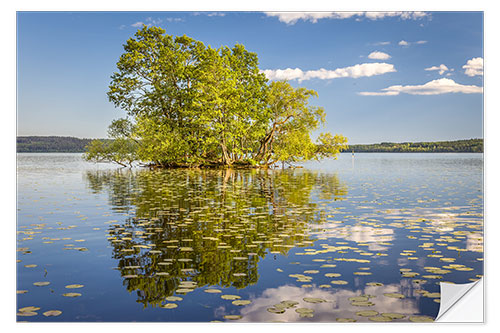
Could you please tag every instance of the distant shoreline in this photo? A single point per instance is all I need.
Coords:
(65, 144)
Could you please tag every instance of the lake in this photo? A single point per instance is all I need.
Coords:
(363, 238)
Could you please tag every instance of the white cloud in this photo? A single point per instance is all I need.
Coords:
(435, 87)
(356, 71)
(441, 68)
(291, 18)
(474, 67)
(405, 43)
(382, 43)
(379, 55)
(137, 24)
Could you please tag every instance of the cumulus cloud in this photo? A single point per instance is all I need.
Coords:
(441, 68)
(403, 43)
(291, 18)
(474, 67)
(356, 71)
(379, 55)
(435, 87)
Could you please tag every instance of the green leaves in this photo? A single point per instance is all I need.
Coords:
(194, 105)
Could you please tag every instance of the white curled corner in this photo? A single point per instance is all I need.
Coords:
(461, 303)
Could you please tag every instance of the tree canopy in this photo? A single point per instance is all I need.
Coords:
(189, 104)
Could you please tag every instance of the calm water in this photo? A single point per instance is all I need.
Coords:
(349, 239)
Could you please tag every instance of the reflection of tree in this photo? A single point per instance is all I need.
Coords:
(210, 227)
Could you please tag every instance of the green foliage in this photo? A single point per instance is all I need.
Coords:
(120, 150)
(194, 105)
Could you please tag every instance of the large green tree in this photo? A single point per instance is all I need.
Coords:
(189, 104)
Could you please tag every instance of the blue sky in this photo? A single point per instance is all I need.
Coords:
(397, 76)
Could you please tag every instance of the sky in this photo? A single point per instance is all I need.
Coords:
(380, 76)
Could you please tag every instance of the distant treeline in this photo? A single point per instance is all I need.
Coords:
(66, 144)
(458, 146)
(51, 144)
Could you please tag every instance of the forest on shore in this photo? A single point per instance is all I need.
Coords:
(457, 146)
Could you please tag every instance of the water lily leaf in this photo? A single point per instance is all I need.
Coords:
(183, 290)
(169, 306)
(72, 294)
(393, 315)
(30, 266)
(241, 302)
(52, 313)
(212, 291)
(173, 298)
(26, 314)
(232, 317)
(421, 319)
(346, 320)
(333, 274)
(29, 309)
(230, 297)
(276, 310)
(380, 318)
(394, 295)
(313, 300)
(338, 282)
(41, 284)
(312, 271)
(74, 286)
(358, 299)
(367, 313)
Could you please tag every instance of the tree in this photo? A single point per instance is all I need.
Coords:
(122, 149)
(193, 105)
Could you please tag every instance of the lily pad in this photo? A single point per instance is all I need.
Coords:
(41, 284)
(367, 313)
(333, 274)
(394, 315)
(173, 298)
(380, 318)
(52, 313)
(29, 309)
(230, 297)
(26, 314)
(72, 294)
(421, 319)
(394, 295)
(169, 306)
(74, 286)
(340, 282)
(183, 290)
(213, 291)
(346, 320)
(232, 317)
(375, 284)
(313, 300)
(276, 310)
(241, 302)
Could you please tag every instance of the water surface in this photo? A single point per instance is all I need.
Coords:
(326, 242)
